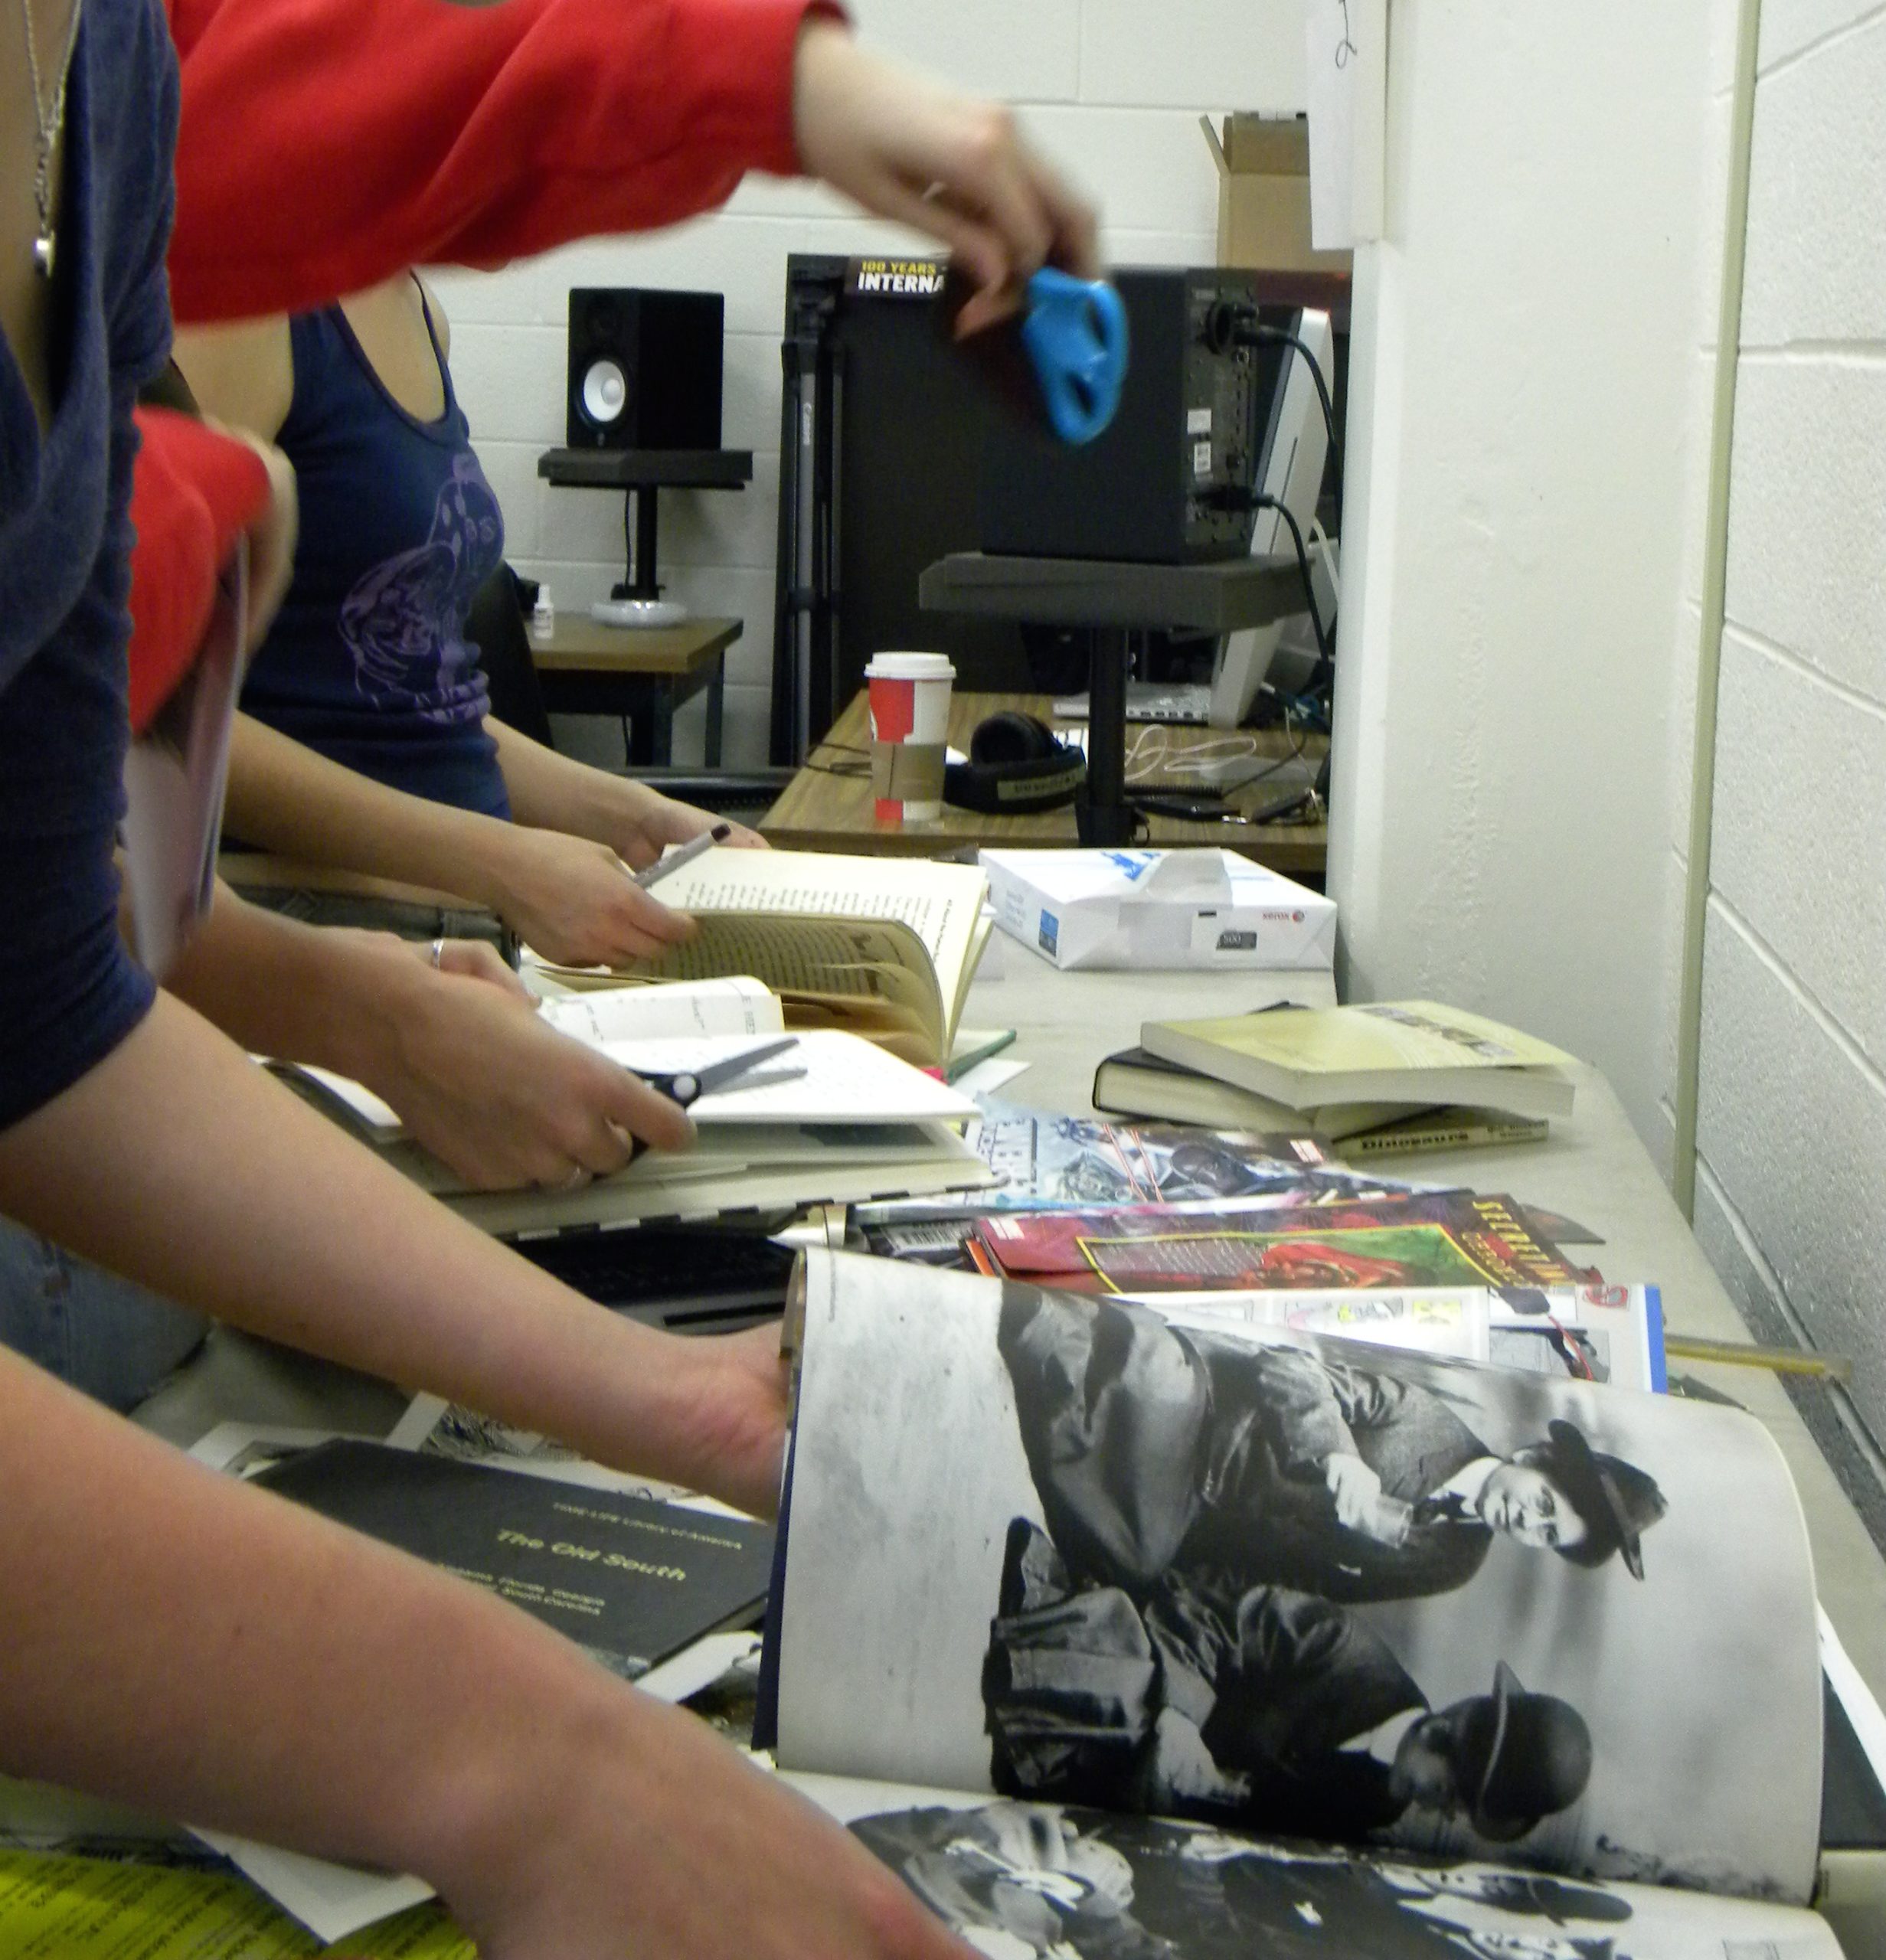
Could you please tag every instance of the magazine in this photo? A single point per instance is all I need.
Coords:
(1425, 1239)
(1061, 1552)
(1047, 1163)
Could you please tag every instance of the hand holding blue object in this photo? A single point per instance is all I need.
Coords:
(1061, 361)
(1075, 332)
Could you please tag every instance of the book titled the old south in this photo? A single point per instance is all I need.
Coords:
(631, 1580)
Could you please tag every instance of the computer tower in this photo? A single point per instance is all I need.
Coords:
(644, 369)
(1166, 482)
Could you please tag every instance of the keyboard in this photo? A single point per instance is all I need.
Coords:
(687, 1281)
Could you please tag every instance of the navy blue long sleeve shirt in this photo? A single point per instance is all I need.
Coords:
(69, 991)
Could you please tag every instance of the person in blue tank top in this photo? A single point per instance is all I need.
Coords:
(368, 666)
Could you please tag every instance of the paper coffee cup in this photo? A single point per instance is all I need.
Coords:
(909, 697)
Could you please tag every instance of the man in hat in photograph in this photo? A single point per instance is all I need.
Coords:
(1281, 1711)
(1150, 1445)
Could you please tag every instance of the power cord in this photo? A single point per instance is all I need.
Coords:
(1233, 324)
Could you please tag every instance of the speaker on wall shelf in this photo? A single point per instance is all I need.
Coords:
(644, 368)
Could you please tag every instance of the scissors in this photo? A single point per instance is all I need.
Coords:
(1075, 332)
(688, 1086)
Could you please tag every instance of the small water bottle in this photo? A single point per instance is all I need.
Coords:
(543, 617)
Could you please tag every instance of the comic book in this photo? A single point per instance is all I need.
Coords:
(1425, 1239)
(1123, 1639)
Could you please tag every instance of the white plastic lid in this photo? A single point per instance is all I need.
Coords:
(910, 667)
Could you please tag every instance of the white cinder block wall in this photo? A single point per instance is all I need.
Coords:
(1792, 1125)
(1513, 732)
(1112, 88)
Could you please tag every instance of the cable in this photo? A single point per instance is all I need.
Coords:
(1263, 501)
(1330, 563)
(1232, 323)
(1278, 337)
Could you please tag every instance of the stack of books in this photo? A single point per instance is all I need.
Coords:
(1374, 1079)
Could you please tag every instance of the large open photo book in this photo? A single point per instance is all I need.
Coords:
(1181, 1637)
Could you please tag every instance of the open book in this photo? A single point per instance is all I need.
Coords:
(1197, 1639)
(836, 1120)
(881, 947)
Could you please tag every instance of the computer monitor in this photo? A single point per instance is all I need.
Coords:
(1295, 451)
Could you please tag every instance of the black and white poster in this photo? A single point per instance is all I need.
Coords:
(1062, 1550)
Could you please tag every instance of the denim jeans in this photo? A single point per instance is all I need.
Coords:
(105, 1335)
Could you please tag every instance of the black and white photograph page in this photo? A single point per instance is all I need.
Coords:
(1063, 1550)
(1035, 1881)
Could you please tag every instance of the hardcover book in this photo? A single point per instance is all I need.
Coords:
(1414, 1051)
(630, 1579)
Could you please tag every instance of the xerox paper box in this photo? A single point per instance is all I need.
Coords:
(1158, 909)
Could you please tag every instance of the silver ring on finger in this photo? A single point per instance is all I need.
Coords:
(438, 954)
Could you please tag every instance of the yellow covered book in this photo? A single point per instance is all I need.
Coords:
(1417, 1052)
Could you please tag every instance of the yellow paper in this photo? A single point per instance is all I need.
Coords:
(56, 1908)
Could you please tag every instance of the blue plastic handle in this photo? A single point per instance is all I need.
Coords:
(1076, 335)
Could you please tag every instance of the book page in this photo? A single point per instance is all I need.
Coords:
(824, 1077)
(1070, 1552)
(1021, 1878)
(941, 904)
(881, 964)
(735, 1004)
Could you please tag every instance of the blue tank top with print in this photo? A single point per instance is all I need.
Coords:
(367, 662)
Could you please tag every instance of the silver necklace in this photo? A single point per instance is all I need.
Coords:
(48, 122)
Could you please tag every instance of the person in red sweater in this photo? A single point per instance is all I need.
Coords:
(195, 1646)
(545, 119)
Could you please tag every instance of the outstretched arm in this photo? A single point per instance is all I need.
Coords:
(327, 146)
(177, 1162)
(460, 1051)
(207, 1651)
(568, 897)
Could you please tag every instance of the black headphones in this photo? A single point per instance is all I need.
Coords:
(1015, 765)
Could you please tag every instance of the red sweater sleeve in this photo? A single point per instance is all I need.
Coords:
(327, 144)
(193, 494)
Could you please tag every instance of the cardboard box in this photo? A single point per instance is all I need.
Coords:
(1263, 195)
(1158, 911)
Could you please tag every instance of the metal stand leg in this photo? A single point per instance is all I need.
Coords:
(638, 538)
(717, 704)
(1103, 816)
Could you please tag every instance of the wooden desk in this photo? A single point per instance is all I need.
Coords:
(819, 811)
(644, 672)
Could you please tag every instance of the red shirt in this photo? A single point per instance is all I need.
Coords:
(327, 144)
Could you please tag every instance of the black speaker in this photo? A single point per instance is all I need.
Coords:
(1165, 483)
(644, 369)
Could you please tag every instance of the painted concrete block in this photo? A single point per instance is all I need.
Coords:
(1799, 847)
(508, 298)
(1789, 27)
(1807, 548)
(1197, 54)
(1793, 1126)
(1147, 169)
(1816, 265)
(1024, 53)
(510, 381)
